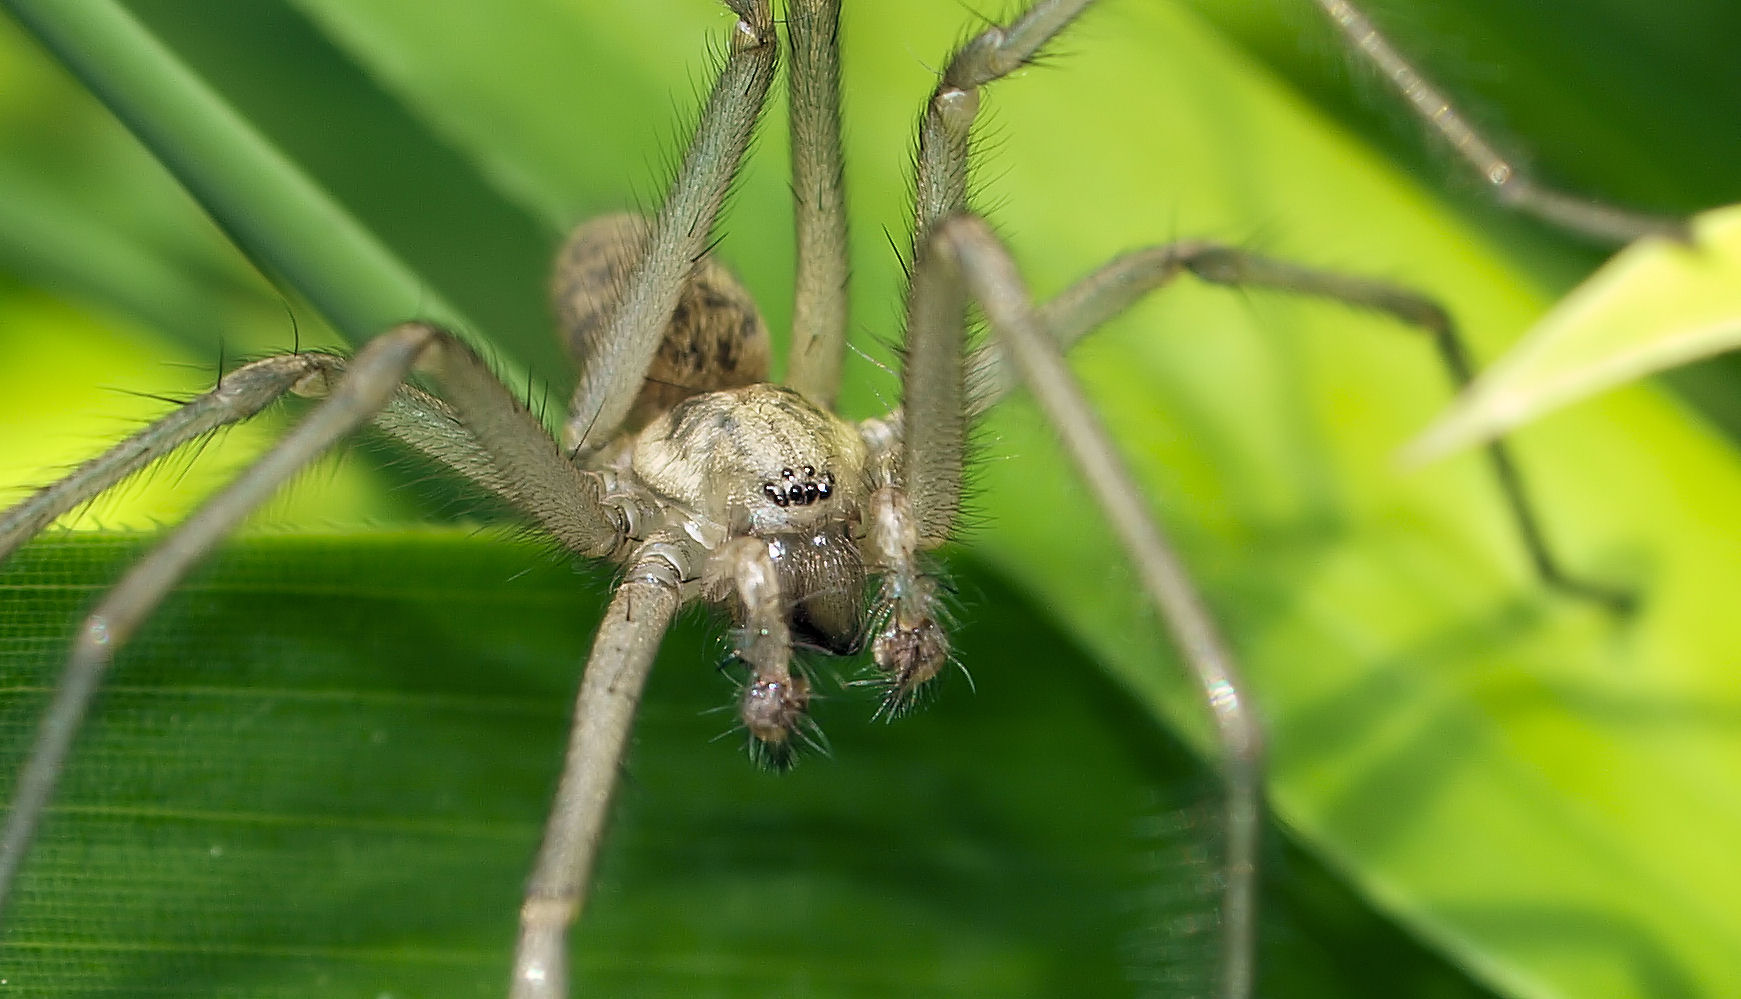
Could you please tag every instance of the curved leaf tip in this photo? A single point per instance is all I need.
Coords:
(1657, 304)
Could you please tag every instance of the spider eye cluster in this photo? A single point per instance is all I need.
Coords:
(790, 490)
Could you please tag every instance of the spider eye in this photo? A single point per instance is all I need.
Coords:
(799, 488)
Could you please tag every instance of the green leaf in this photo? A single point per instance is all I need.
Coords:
(323, 767)
(266, 204)
(1655, 305)
(1532, 787)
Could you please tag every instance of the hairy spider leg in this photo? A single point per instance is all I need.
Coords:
(1504, 178)
(956, 257)
(611, 380)
(616, 356)
(964, 259)
(616, 672)
(482, 431)
(818, 167)
(375, 374)
(1116, 285)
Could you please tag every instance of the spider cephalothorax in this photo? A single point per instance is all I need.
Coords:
(764, 480)
(753, 477)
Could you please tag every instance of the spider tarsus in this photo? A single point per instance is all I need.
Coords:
(1619, 601)
(908, 655)
(772, 709)
(781, 752)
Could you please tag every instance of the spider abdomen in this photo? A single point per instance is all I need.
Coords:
(715, 338)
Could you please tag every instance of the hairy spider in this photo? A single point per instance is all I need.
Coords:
(782, 538)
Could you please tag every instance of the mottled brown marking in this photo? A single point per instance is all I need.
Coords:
(716, 338)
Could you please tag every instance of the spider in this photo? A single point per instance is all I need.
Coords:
(908, 651)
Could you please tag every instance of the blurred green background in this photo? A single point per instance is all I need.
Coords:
(323, 768)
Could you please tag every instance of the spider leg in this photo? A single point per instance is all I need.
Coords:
(963, 258)
(941, 179)
(529, 469)
(1504, 178)
(918, 498)
(1117, 285)
(910, 646)
(610, 690)
(819, 305)
(373, 377)
(915, 507)
(933, 391)
(716, 337)
(483, 431)
(934, 400)
(525, 466)
(625, 348)
(238, 396)
(430, 427)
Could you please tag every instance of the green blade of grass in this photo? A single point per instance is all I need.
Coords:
(274, 214)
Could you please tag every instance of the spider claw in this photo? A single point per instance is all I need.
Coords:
(909, 656)
(773, 709)
(777, 757)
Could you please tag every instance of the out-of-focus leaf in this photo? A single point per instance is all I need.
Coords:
(1657, 304)
(322, 770)
(267, 205)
